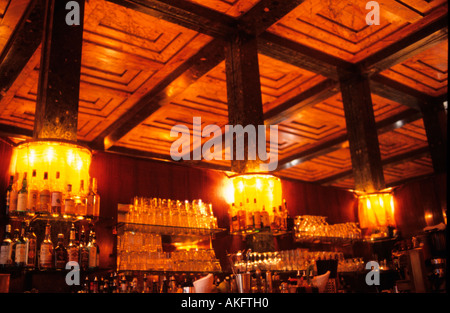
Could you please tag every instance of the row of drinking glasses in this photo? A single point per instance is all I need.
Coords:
(168, 212)
(311, 226)
(182, 260)
(293, 260)
(136, 241)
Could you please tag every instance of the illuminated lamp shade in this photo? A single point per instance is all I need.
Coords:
(266, 189)
(71, 160)
(376, 210)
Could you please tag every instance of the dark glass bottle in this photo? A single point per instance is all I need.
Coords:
(83, 251)
(60, 253)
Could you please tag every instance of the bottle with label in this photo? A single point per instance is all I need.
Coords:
(234, 222)
(282, 218)
(46, 250)
(83, 251)
(96, 198)
(20, 249)
(256, 215)
(265, 219)
(249, 222)
(44, 196)
(93, 251)
(80, 201)
(241, 217)
(275, 223)
(73, 249)
(13, 195)
(8, 194)
(33, 194)
(6, 249)
(69, 202)
(56, 196)
(22, 197)
(31, 244)
(90, 201)
(60, 253)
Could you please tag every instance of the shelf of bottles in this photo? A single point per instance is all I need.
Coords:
(23, 249)
(190, 225)
(247, 219)
(50, 179)
(315, 229)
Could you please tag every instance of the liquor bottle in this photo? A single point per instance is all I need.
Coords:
(73, 249)
(249, 222)
(83, 251)
(6, 249)
(234, 222)
(20, 250)
(31, 244)
(93, 251)
(265, 219)
(33, 194)
(13, 195)
(69, 202)
(282, 218)
(61, 256)
(289, 219)
(44, 196)
(56, 196)
(13, 248)
(241, 217)
(96, 197)
(275, 223)
(46, 250)
(256, 215)
(90, 201)
(80, 201)
(22, 197)
(8, 194)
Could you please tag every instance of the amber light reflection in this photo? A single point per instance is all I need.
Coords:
(70, 160)
(266, 189)
(376, 210)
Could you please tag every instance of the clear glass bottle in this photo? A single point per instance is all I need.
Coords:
(46, 250)
(60, 253)
(90, 197)
(6, 260)
(22, 197)
(256, 215)
(44, 195)
(93, 251)
(265, 219)
(96, 197)
(69, 202)
(33, 194)
(56, 197)
(80, 201)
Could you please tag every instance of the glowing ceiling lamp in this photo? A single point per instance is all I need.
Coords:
(376, 210)
(244, 188)
(67, 160)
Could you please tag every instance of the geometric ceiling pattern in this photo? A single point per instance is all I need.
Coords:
(131, 51)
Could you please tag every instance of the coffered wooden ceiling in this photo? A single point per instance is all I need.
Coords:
(150, 64)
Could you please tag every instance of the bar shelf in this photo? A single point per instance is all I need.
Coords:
(170, 230)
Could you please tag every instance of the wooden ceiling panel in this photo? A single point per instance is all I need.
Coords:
(408, 170)
(234, 8)
(426, 71)
(340, 28)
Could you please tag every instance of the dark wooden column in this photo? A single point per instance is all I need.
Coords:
(361, 131)
(243, 91)
(59, 77)
(435, 122)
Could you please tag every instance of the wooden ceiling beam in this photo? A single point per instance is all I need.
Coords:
(310, 97)
(383, 126)
(424, 38)
(179, 80)
(184, 13)
(22, 44)
(386, 163)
